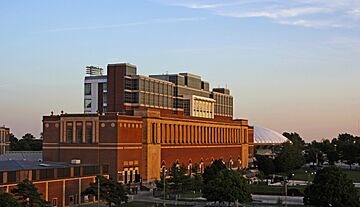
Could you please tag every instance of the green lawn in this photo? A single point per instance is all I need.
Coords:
(353, 175)
(146, 204)
(301, 175)
(263, 189)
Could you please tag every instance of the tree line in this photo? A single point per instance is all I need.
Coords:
(27, 143)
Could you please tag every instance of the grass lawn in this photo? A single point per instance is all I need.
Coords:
(301, 175)
(353, 175)
(190, 195)
(146, 204)
(263, 189)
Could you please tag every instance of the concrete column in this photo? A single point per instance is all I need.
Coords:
(63, 193)
(84, 132)
(47, 191)
(176, 133)
(181, 134)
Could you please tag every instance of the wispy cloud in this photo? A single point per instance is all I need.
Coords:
(305, 13)
(114, 26)
(200, 6)
(355, 13)
(283, 13)
(314, 24)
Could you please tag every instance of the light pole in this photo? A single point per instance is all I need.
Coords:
(164, 174)
(285, 183)
(98, 191)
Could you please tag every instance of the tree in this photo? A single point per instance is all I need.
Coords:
(27, 143)
(28, 195)
(7, 200)
(331, 187)
(110, 191)
(295, 138)
(290, 158)
(228, 186)
(350, 153)
(179, 181)
(314, 155)
(211, 172)
(265, 164)
(333, 156)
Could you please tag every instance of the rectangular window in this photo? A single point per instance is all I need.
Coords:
(33, 173)
(46, 174)
(87, 104)
(11, 177)
(90, 170)
(76, 171)
(63, 172)
(89, 133)
(153, 133)
(54, 202)
(79, 134)
(87, 89)
(69, 134)
(104, 87)
(1, 178)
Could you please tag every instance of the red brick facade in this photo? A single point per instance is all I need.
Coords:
(138, 146)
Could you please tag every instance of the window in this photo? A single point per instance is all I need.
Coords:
(87, 89)
(1, 177)
(153, 134)
(71, 200)
(33, 173)
(63, 172)
(79, 134)
(46, 174)
(87, 104)
(90, 170)
(11, 176)
(89, 133)
(104, 87)
(54, 202)
(76, 171)
(69, 134)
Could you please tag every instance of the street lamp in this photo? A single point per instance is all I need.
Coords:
(164, 177)
(98, 191)
(285, 183)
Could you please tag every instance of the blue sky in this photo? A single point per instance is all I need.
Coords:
(291, 65)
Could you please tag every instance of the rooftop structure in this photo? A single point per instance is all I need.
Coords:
(265, 140)
(22, 155)
(170, 92)
(264, 136)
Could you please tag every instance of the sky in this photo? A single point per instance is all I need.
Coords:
(291, 65)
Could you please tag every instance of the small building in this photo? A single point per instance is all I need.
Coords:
(59, 183)
(4, 139)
